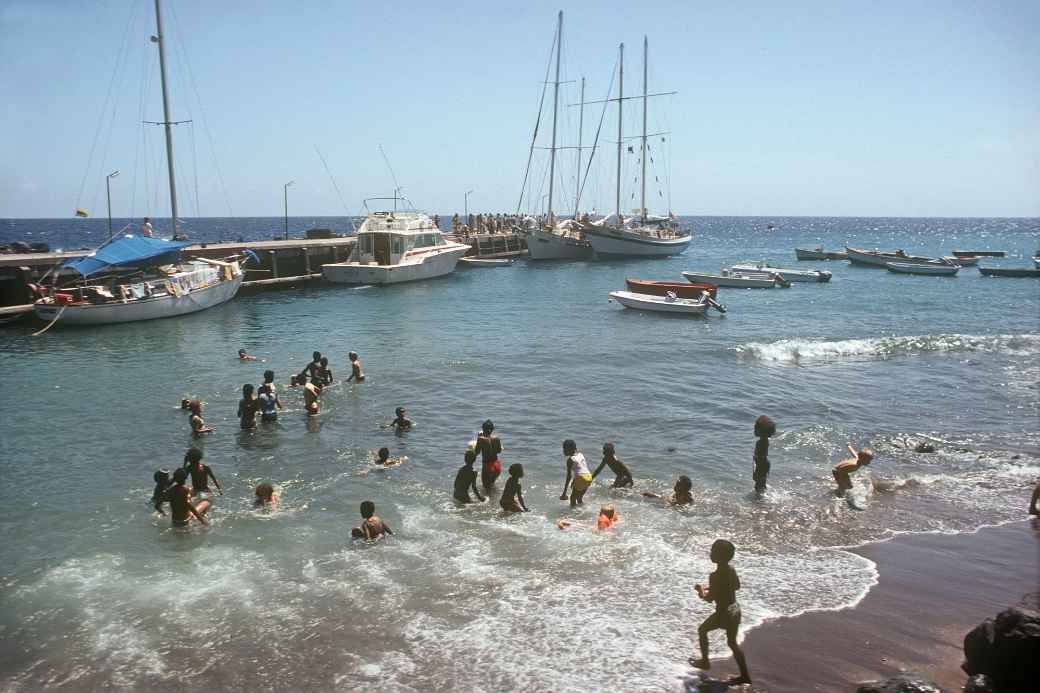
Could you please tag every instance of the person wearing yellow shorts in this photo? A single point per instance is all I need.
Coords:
(579, 478)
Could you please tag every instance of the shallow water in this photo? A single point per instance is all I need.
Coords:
(97, 592)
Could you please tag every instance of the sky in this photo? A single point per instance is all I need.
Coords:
(923, 108)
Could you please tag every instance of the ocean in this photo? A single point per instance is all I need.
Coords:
(98, 592)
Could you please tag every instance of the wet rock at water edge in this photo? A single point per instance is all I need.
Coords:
(904, 683)
(1007, 650)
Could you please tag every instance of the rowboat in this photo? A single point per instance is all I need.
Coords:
(818, 253)
(917, 268)
(791, 275)
(877, 258)
(680, 289)
(736, 279)
(962, 260)
(1009, 272)
(660, 304)
(486, 261)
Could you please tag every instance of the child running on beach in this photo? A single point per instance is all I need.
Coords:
(722, 589)
(355, 368)
(466, 479)
(623, 477)
(200, 473)
(198, 426)
(681, 492)
(247, 407)
(181, 507)
(512, 500)
(842, 470)
(578, 471)
(765, 429)
(371, 526)
(490, 447)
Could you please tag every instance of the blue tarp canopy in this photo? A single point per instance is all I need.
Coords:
(128, 251)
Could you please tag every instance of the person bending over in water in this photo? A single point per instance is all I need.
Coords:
(311, 392)
(512, 496)
(265, 496)
(371, 526)
(243, 356)
(163, 484)
(842, 470)
(326, 372)
(181, 507)
(466, 479)
(489, 446)
(198, 426)
(608, 517)
(401, 423)
(355, 369)
(247, 407)
(623, 477)
(722, 589)
(578, 470)
(200, 473)
(681, 492)
(765, 429)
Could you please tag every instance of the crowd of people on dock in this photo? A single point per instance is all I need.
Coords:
(487, 223)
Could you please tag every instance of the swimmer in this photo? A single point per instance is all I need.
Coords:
(269, 403)
(163, 484)
(200, 473)
(355, 368)
(401, 423)
(681, 492)
(312, 371)
(607, 518)
(311, 392)
(578, 470)
(185, 404)
(265, 496)
(243, 356)
(181, 507)
(325, 372)
(198, 426)
(466, 479)
(765, 429)
(722, 589)
(623, 477)
(247, 407)
(842, 470)
(512, 495)
(384, 460)
(489, 446)
(371, 526)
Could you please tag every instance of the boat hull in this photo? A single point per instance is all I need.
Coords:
(1009, 272)
(681, 306)
(874, 258)
(788, 274)
(613, 243)
(804, 254)
(142, 309)
(436, 265)
(545, 245)
(927, 270)
(735, 282)
(656, 288)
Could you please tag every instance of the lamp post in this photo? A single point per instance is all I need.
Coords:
(465, 205)
(108, 190)
(286, 191)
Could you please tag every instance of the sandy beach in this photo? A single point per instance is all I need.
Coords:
(932, 589)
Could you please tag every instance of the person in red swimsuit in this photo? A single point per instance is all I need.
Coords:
(489, 447)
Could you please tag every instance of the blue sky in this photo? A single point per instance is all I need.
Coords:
(816, 108)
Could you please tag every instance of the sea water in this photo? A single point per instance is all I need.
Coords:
(99, 592)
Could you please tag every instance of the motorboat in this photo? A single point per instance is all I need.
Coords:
(737, 279)
(818, 253)
(791, 275)
(1010, 272)
(680, 289)
(663, 304)
(948, 270)
(394, 247)
(878, 258)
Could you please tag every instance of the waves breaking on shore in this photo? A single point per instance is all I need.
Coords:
(795, 350)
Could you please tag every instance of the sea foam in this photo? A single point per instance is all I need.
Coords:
(793, 350)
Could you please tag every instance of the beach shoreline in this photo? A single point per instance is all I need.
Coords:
(932, 590)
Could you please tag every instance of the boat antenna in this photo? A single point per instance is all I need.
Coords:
(334, 185)
(167, 122)
(393, 176)
(556, 101)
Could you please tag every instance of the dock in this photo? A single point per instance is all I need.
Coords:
(493, 245)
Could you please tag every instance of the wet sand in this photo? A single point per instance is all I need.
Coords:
(931, 591)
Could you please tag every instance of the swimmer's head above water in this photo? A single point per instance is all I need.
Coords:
(764, 427)
(161, 476)
(384, 455)
(608, 449)
(400, 412)
(193, 456)
(722, 551)
(368, 509)
(683, 485)
(569, 447)
(516, 471)
(180, 475)
(487, 427)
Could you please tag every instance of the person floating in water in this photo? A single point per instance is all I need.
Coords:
(578, 471)
(243, 356)
(265, 496)
(623, 477)
(269, 403)
(371, 526)
(466, 479)
(325, 372)
(198, 426)
(383, 458)
(765, 429)
(181, 507)
(355, 369)
(200, 473)
(490, 447)
(607, 518)
(163, 484)
(512, 495)
(311, 392)
(842, 470)
(247, 408)
(722, 590)
(680, 492)
(402, 422)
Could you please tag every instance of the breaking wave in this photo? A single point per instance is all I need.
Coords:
(888, 347)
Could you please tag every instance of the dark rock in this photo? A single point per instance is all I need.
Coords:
(904, 683)
(1007, 650)
(979, 683)
(924, 447)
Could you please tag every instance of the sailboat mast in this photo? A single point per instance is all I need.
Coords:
(620, 103)
(642, 194)
(167, 123)
(556, 100)
(581, 124)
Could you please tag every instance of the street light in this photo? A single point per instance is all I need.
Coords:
(465, 205)
(108, 189)
(286, 191)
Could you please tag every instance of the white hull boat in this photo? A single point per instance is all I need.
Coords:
(877, 258)
(485, 261)
(545, 244)
(818, 253)
(791, 275)
(735, 280)
(925, 269)
(397, 247)
(660, 304)
(611, 242)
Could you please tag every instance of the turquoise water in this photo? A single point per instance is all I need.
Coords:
(99, 592)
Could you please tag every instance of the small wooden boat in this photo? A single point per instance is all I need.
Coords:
(485, 261)
(962, 260)
(662, 304)
(878, 258)
(680, 289)
(979, 253)
(791, 275)
(737, 280)
(919, 268)
(818, 253)
(1010, 272)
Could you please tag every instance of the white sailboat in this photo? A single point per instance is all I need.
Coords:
(137, 278)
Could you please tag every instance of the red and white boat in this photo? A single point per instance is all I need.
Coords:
(681, 289)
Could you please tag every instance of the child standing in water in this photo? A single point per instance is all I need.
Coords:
(200, 473)
(355, 369)
(325, 372)
(181, 507)
(466, 479)
(512, 497)
(489, 447)
(578, 470)
(842, 470)
(764, 430)
(198, 426)
(401, 422)
(623, 477)
(268, 402)
(163, 484)
(371, 526)
(722, 589)
(247, 407)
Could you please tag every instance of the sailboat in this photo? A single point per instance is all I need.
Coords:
(644, 235)
(136, 277)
